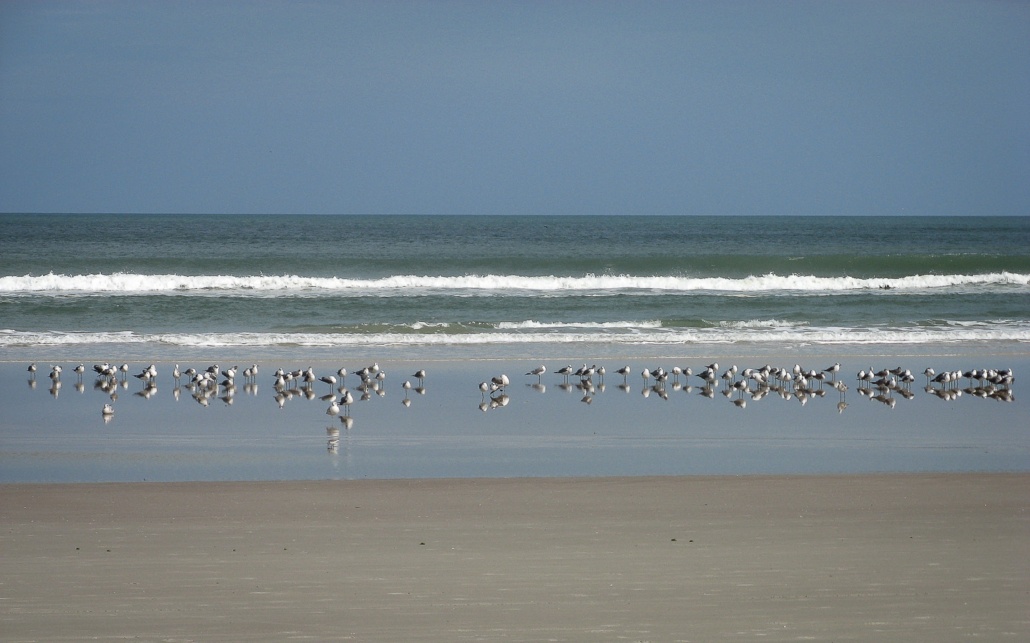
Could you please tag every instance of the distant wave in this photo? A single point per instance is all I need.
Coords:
(294, 285)
(755, 332)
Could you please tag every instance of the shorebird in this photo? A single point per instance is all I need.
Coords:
(407, 387)
(565, 371)
(334, 408)
(833, 370)
(420, 375)
(330, 380)
(347, 400)
(107, 411)
(32, 369)
(538, 371)
(624, 372)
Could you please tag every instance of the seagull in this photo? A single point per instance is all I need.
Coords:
(330, 380)
(565, 371)
(108, 410)
(538, 371)
(624, 372)
(347, 400)
(334, 408)
(32, 369)
(485, 388)
(420, 375)
(500, 381)
(407, 387)
(833, 370)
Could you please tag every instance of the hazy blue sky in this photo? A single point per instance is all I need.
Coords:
(893, 107)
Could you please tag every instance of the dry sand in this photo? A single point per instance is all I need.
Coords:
(879, 557)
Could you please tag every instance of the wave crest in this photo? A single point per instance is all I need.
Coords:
(296, 285)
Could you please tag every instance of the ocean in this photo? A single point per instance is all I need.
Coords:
(470, 298)
(464, 286)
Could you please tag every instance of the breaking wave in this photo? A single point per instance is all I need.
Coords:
(294, 285)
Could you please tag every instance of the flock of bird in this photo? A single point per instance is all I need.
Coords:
(216, 382)
(738, 385)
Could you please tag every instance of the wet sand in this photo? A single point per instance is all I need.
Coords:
(873, 557)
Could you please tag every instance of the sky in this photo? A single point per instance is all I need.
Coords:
(910, 107)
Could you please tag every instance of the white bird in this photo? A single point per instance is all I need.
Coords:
(334, 408)
(108, 410)
(538, 371)
(833, 370)
(407, 387)
(624, 372)
(420, 375)
(347, 400)
(500, 381)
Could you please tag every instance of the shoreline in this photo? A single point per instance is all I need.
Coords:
(920, 557)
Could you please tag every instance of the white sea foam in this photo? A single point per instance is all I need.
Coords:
(759, 334)
(530, 324)
(294, 285)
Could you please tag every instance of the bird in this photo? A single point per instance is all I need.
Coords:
(334, 408)
(330, 380)
(833, 370)
(407, 387)
(624, 372)
(347, 400)
(500, 381)
(107, 411)
(420, 375)
(538, 371)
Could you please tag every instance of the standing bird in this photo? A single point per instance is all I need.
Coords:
(420, 375)
(330, 380)
(538, 371)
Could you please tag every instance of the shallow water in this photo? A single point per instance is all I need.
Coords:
(451, 429)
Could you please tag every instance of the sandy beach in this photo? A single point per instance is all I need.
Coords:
(878, 557)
